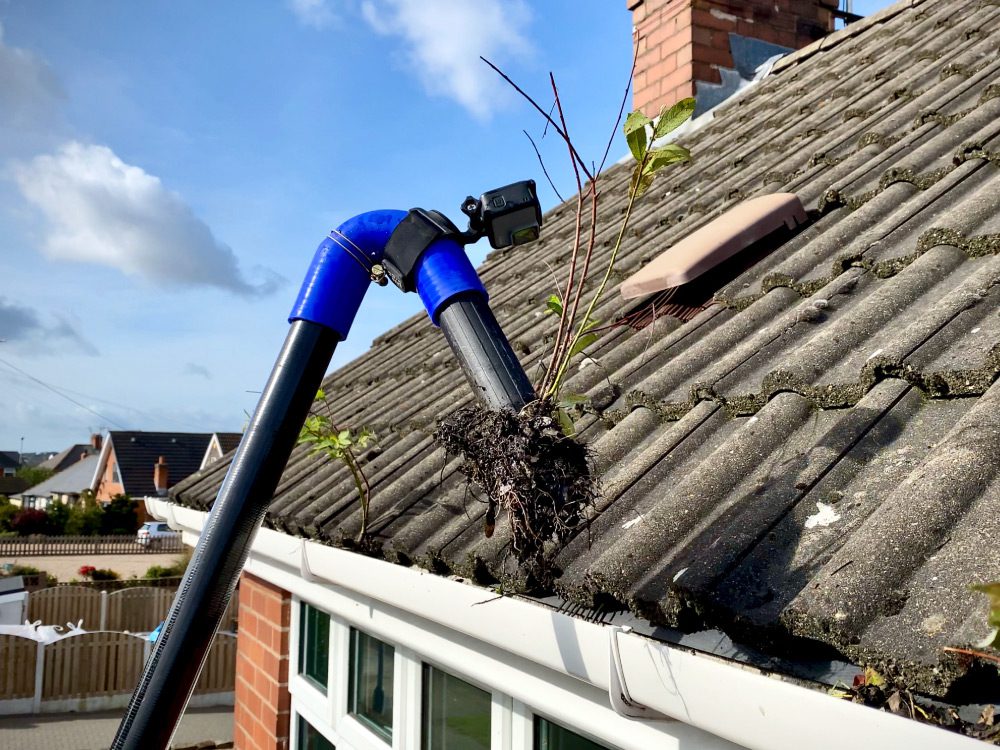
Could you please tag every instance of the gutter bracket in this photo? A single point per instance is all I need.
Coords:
(304, 570)
(621, 701)
(171, 517)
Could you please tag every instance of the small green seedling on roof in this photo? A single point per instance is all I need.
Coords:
(339, 445)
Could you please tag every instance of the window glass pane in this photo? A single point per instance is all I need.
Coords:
(456, 715)
(370, 687)
(549, 736)
(310, 739)
(314, 644)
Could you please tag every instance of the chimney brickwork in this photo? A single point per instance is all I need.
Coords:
(161, 476)
(680, 43)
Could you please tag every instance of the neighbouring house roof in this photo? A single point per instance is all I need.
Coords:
(35, 459)
(812, 462)
(66, 458)
(137, 452)
(71, 481)
(12, 485)
(9, 460)
(228, 440)
(219, 445)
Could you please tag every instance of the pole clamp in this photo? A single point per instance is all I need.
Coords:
(408, 242)
(375, 271)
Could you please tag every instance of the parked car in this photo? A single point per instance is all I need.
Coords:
(155, 534)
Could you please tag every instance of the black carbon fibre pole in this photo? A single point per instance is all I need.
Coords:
(484, 354)
(172, 668)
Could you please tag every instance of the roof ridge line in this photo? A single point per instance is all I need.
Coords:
(849, 31)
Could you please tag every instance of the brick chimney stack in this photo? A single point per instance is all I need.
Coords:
(704, 48)
(160, 476)
(95, 441)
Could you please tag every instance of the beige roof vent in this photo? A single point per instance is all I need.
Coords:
(717, 241)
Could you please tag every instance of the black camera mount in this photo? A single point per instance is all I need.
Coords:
(510, 215)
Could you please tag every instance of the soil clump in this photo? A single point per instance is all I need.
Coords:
(529, 469)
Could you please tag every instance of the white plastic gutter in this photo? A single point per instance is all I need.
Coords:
(731, 701)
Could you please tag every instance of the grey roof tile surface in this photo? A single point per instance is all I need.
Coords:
(811, 460)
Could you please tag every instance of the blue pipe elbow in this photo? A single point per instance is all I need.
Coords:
(443, 272)
(337, 281)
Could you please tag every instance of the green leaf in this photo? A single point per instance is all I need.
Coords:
(641, 181)
(565, 423)
(582, 343)
(872, 677)
(320, 395)
(669, 154)
(572, 399)
(553, 305)
(635, 133)
(673, 117)
(364, 438)
(635, 121)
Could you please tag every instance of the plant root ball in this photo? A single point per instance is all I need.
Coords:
(539, 477)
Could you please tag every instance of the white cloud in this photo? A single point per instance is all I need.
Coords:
(314, 13)
(30, 99)
(22, 327)
(444, 39)
(29, 89)
(101, 210)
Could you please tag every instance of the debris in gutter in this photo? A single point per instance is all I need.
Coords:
(529, 469)
(885, 693)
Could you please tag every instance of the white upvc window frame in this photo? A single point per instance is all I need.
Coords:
(328, 712)
(524, 723)
(316, 703)
(301, 710)
(500, 707)
(512, 721)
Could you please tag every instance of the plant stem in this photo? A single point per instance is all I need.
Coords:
(588, 256)
(972, 652)
(557, 381)
(576, 157)
(359, 476)
(541, 163)
(565, 320)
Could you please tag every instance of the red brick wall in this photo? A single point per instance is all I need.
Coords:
(679, 42)
(261, 716)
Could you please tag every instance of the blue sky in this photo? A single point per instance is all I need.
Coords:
(168, 168)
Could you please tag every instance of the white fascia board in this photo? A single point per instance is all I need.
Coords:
(551, 693)
(728, 700)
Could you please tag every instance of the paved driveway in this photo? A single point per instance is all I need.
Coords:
(94, 731)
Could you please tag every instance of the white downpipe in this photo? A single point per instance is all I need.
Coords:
(728, 700)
